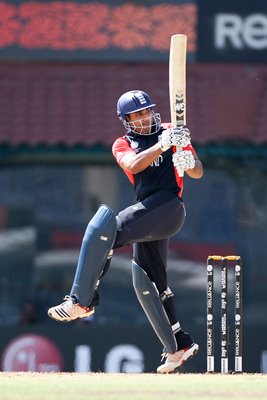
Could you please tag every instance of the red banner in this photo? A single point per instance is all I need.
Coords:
(72, 26)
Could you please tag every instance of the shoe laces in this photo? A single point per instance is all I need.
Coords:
(68, 297)
(172, 357)
(75, 302)
(164, 355)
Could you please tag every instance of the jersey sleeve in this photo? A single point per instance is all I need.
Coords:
(121, 149)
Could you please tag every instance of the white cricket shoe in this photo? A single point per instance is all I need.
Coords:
(69, 310)
(176, 360)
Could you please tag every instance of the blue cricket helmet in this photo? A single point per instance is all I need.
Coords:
(133, 101)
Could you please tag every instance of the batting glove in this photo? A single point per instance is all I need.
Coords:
(175, 137)
(183, 160)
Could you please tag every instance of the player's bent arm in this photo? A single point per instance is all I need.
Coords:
(135, 163)
(196, 172)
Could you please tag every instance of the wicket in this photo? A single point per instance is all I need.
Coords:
(224, 265)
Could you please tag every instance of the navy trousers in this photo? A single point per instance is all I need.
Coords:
(148, 225)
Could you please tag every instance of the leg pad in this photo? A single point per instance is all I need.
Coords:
(97, 242)
(148, 297)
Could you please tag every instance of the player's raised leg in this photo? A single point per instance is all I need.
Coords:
(96, 246)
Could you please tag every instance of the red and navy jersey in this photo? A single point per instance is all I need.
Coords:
(160, 175)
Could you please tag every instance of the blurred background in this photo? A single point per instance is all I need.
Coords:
(63, 65)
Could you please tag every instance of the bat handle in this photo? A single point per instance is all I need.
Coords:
(180, 171)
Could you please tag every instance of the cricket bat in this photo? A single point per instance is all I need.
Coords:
(177, 82)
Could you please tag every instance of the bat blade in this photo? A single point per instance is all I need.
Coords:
(177, 82)
(177, 79)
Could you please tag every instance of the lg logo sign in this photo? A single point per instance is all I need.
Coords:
(121, 358)
(36, 353)
(248, 32)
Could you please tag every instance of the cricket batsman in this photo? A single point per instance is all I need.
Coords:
(147, 154)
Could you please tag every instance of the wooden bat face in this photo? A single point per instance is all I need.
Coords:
(177, 79)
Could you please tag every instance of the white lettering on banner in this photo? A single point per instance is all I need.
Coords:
(227, 27)
(124, 358)
(255, 32)
(82, 360)
(250, 31)
(121, 358)
(264, 362)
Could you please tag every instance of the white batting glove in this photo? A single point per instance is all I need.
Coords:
(175, 137)
(183, 160)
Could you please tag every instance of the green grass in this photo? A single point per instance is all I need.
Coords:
(100, 386)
